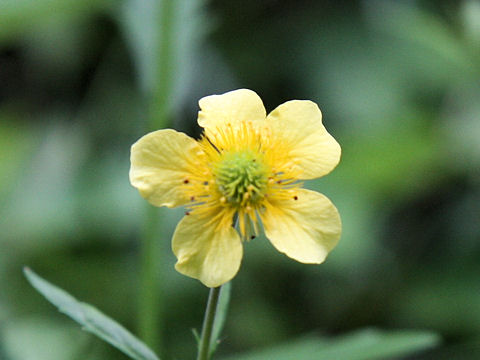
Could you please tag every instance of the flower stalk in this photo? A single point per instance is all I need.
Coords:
(150, 302)
(204, 347)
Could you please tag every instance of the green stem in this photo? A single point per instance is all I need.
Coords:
(153, 249)
(162, 94)
(150, 305)
(208, 321)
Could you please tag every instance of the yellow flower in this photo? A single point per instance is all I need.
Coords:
(245, 168)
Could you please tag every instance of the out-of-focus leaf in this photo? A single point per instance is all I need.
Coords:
(397, 163)
(446, 299)
(375, 344)
(22, 15)
(42, 193)
(299, 349)
(51, 190)
(143, 26)
(47, 339)
(461, 127)
(16, 143)
(465, 350)
(91, 319)
(470, 13)
(365, 344)
(432, 39)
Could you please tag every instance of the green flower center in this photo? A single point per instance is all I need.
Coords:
(241, 178)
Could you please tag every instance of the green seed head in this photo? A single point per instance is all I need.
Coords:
(241, 178)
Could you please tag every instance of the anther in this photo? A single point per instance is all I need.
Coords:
(295, 197)
(186, 181)
(205, 183)
(252, 237)
(192, 198)
(187, 213)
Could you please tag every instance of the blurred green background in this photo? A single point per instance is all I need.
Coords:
(398, 83)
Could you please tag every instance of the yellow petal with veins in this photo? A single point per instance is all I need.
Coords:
(305, 227)
(234, 107)
(206, 251)
(297, 126)
(161, 163)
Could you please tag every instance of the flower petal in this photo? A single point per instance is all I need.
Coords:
(232, 107)
(305, 227)
(298, 125)
(160, 163)
(205, 251)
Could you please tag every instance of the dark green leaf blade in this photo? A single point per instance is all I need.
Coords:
(91, 319)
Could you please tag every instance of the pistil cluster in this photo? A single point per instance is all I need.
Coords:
(241, 178)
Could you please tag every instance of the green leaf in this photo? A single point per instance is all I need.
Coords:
(221, 316)
(367, 344)
(91, 319)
